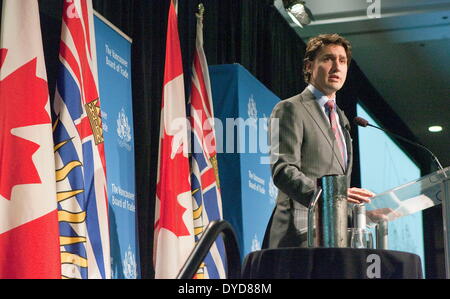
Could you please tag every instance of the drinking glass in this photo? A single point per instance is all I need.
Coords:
(360, 238)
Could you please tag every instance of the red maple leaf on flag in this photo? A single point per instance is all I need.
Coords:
(171, 212)
(23, 97)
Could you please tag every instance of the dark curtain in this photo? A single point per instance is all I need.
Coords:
(249, 32)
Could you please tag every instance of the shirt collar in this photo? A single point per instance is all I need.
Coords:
(320, 97)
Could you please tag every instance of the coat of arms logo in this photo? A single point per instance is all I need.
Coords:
(129, 265)
(123, 127)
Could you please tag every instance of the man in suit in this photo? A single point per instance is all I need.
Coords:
(305, 146)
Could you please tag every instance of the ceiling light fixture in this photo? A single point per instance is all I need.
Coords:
(435, 129)
(298, 12)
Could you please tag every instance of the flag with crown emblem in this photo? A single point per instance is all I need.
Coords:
(206, 195)
(29, 239)
(174, 237)
(79, 150)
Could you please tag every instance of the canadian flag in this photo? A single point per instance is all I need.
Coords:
(174, 224)
(29, 236)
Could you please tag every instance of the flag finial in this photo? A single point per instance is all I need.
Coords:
(201, 10)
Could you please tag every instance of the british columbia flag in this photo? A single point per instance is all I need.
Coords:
(207, 202)
(79, 150)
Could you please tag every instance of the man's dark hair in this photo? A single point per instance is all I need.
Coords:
(315, 44)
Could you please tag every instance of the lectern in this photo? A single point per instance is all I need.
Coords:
(410, 198)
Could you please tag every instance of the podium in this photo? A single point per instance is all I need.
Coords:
(331, 263)
(410, 198)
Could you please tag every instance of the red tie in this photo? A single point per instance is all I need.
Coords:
(332, 114)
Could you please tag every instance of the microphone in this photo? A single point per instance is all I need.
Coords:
(364, 123)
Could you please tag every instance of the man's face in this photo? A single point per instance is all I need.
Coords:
(329, 69)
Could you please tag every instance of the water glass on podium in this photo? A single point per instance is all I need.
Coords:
(360, 238)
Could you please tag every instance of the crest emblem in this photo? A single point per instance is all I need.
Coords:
(252, 111)
(123, 130)
(129, 264)
(123, 127)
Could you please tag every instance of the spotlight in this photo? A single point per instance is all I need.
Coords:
(298, 12)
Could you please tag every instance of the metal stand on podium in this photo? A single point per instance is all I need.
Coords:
(382, 234)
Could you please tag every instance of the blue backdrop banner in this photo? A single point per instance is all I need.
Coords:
(114, 75)
(243, 105)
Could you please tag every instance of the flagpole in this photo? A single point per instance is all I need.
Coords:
(175, 4)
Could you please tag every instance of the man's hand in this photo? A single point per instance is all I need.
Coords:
(383, 214)
(358, 195)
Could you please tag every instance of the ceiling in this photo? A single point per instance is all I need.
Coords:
(403, 47)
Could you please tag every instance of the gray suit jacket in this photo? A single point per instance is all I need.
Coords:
(306, 150)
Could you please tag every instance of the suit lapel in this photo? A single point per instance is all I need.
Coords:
(319, 118)
(348, 140)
